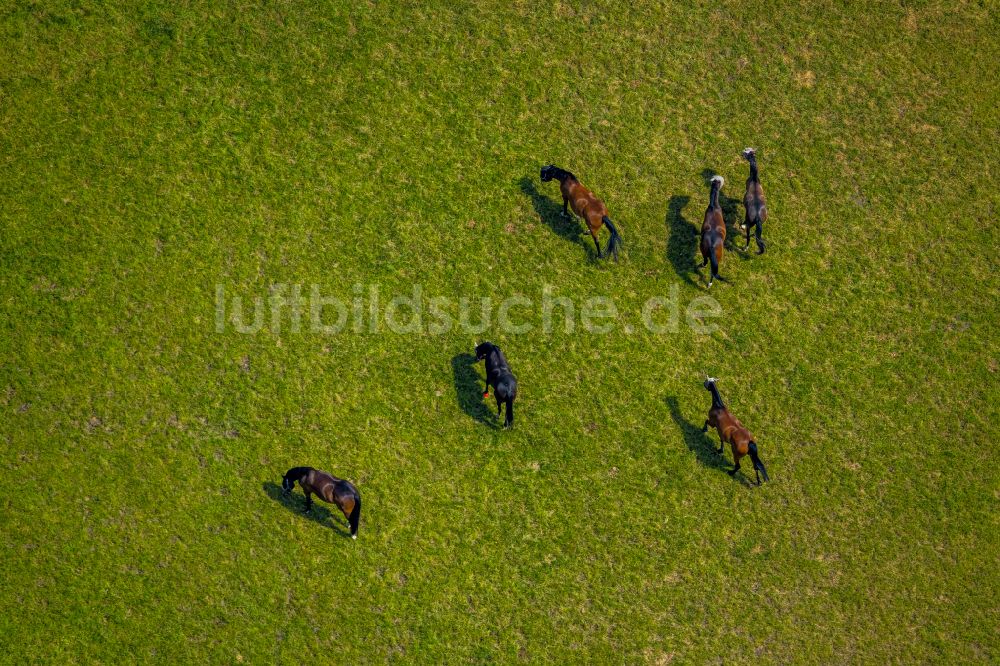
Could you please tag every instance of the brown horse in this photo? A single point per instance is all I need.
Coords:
(586, 205)
(329, 489)
(732, 431)
(755, 203)
(713, 230)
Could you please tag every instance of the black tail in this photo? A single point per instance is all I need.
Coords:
(615, 241)
(761, 245)
(508, 419)
(355, 516)
(714, 261)
(757, 464)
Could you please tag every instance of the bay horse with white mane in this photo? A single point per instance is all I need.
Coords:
(586, 205)
(755, 203)
(732, 431)
(713, 230)
(329, 489)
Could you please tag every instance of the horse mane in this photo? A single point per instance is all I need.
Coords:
(298, 472)
(713, 194)
(562, 173)
(716, 396)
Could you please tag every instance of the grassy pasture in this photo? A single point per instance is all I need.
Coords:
(151, 152)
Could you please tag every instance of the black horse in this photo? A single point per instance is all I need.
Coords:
(499, 375)
(328, 488)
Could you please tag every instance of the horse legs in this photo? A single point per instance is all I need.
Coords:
(309, 503)
(747, 225)
(596, 244)
(704, 428)
(565, 207)
(736, 467)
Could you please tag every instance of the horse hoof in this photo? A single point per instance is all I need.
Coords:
(354, 536)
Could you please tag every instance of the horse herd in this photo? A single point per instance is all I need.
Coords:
(498, 373)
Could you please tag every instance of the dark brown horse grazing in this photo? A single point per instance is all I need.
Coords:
(329, 489)
(713, 230)
(755, 203)
(586, 205)
(732, 431)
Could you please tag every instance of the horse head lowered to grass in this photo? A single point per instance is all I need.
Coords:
(329, 489)
(586, 205)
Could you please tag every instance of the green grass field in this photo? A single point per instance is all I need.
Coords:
(152, 153)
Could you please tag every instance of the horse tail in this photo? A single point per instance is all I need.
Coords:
(757, 464)
(761, 245)
(616, 239)
(355, 516)
(714, 261)
(508, 419)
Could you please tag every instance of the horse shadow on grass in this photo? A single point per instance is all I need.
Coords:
(682, 241)
(296, 503)
(698, 442)
(550, 212)
(469, 389)
(730, 213)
